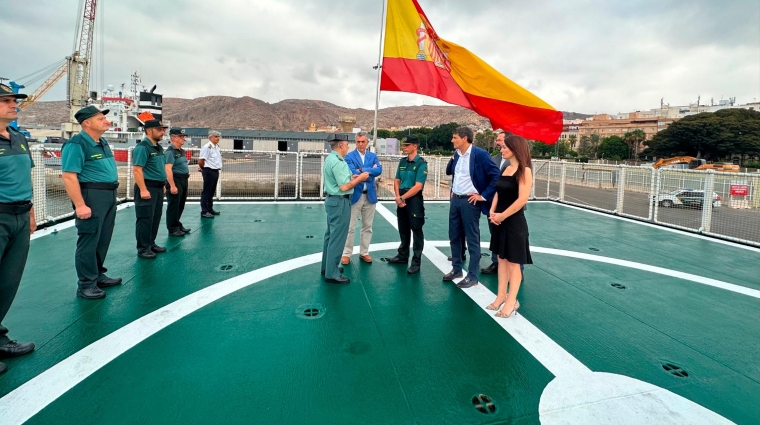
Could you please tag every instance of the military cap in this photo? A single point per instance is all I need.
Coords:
(154, 124)
(88, 112)
(177, 132)
(6, 91)
(410, 140)
(334, 137)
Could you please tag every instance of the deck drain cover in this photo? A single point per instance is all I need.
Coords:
(257, 221)
(675, 370)
(618, 286)
(313, 311)
(594, 249)
(308, 208)
(484, 404)
(309, 237)
(226, 267)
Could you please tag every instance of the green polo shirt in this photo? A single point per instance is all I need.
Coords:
(15, 168)
(151, 159)
(411, 172)
(92, 161)
(178, 159)
(336, 173)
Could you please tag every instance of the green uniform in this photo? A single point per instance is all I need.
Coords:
(94, 164)
(180, 173)
(411, 218)
(15, 202)
(338, 207)
(148, 211)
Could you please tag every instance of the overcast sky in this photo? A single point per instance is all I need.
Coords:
(578, 55)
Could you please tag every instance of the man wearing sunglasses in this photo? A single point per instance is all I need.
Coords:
(16, 214)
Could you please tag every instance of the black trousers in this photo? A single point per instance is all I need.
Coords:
(411, 218)
(210, 179)
(14, 248)
(94, 236)
(148, 213)
(176, 203)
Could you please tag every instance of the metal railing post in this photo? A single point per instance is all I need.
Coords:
(39, 185)
(548, 180)
(707, 201)
(437, 179)
(533, 187)
(299, 162)
(652, 196)
(129, 195)
(563, 170)
(321, 177)
(219, 185)
(276, 176)
(620, 191)
(655, 202)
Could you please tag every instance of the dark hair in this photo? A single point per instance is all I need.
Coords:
(519, 147)
(465, 132)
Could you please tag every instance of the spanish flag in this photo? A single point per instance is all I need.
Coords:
(416, 60)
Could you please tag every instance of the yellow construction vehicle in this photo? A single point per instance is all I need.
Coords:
(691, 163)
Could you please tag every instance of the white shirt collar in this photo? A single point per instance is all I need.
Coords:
(467, 152)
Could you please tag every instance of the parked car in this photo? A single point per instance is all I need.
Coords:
(686, 198)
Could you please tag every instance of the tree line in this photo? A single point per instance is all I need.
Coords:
(714, 136)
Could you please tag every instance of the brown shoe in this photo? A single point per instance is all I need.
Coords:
(345, 260)
(366, 258)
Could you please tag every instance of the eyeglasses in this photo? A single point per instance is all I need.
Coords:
(11, 100)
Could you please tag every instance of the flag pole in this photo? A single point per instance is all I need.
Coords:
(379, 69)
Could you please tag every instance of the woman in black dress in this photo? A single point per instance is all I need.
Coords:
(510, 242)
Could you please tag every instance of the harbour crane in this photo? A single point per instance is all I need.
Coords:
(77, 67)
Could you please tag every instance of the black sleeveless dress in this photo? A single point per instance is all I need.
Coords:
(510, 240)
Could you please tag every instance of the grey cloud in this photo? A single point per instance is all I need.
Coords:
(579, 55)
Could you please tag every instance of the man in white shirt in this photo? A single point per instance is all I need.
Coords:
(472, 189)
(209, 164)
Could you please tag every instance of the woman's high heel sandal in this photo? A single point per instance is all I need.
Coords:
(504, 315)
(493, 306)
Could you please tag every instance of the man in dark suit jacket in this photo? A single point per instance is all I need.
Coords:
(472, 189)
(502, 164)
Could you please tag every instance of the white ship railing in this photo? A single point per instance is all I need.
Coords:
(640, 193)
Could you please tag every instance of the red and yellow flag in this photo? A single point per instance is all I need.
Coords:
(416, 60)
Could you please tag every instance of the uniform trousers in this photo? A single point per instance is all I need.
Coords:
(411, 218)
(210, 180)
(338, 210)
(176, 203)
(14, 248)
(148, 213)
(94, 236)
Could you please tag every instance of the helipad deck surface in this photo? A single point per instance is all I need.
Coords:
(234, 325)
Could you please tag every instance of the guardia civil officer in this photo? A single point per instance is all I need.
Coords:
(410, 208)
(339, 185)
(16, 214)
(89, 173)
(150, 176)
(177, 174)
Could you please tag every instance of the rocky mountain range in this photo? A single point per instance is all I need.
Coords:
(223, 112)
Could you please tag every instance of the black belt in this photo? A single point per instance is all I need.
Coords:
(364, 191)
(181, 176)
(99, 185)
(15, 207)
(339, 196)
(154, 183)
(403, 192)
(461, 196)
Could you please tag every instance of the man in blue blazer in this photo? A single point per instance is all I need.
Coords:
(473, 185)
(364, 199)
